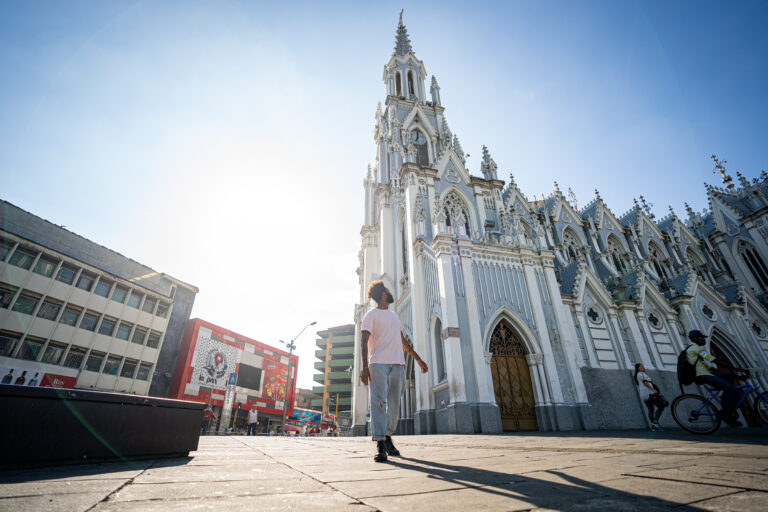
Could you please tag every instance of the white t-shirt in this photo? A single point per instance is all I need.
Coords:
(644, 391)
(384, 344)
(253, 416)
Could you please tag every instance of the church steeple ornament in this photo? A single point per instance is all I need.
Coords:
(488, 166)
(402, 43)
(720, 169)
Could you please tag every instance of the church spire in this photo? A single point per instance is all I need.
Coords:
(402, 43)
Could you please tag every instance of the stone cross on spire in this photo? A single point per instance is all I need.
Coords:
(402, 43)
(720, 169)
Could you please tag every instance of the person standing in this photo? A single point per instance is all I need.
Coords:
(651, 396)
(253, 420)
(383, 363)
(208, 415)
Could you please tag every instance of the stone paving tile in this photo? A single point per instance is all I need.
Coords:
(75, 502)
(330, 501)
(728, 477)
(56, 487)
(674, 492)
(214, 473)
(748, 501)
(104, 471)
(188, 490)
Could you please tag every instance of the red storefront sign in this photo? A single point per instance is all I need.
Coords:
(51, 380)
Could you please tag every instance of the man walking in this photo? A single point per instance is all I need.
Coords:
(253, 420)
(208, 415)
(384, 367)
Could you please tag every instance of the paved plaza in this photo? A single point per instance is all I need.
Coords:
(605, 471)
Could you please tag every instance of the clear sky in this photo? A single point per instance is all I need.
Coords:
(225, 143)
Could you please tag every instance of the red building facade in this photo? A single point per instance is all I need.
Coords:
(209, 354)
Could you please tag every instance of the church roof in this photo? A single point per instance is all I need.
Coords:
(402, 43)
(568, 278)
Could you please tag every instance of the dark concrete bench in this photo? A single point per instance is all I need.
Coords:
(61, 426)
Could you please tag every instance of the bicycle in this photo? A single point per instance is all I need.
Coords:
(698, 415)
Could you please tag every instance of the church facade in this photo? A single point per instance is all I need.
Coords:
(532, 314)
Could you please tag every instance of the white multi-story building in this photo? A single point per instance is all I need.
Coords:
(76, 314)
(532, 314)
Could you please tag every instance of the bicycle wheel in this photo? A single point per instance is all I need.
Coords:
(695, 414)
(761, 409)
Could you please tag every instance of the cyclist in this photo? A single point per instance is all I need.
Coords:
(697, 355)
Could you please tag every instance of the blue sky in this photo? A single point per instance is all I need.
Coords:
(225, 143)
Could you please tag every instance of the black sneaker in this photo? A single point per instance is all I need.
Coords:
(391, 450)
(381, 452)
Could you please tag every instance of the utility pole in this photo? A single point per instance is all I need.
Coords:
(291, 346)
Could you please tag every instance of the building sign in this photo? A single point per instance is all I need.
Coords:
(51, 380)
(306, 416)
(31, 373)
(275, 380)
(213, 361)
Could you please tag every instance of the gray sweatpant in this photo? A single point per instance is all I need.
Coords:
(386, 387)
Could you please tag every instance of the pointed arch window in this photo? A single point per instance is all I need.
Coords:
(657, 259)
(617, 255)
(754, 263)
(410, 84)
(398, 84)
(422, 153)
(455, 211)
(404, 248)
(439, 352)
(697, 264)
(571, 245)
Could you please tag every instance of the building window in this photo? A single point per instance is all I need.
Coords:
(124, 331)
(70, 316)
(594, 315)
(5, 248)
(6, 296)
(74, 357)
(53, 353)
(748, 254)
(25, 303)
(93, 364)
(85, 281)
(66, 274)
(144, 370)
(439, 351)
(112, 365)
(422, 153)
(89, 322)
(149, 305)
(103, 287)
(410, 83)
(107, 326)
(654, 320)
(8, 343)
(22, 258)
(138, 336)
(708, 312)
(49, 310)
(119, 294)
(135, 299)
(657, 259)
(129, 368)
(398, 85)
(45, 266)
(154, 339)
(31, 348)
(162, 309)
(571, 245)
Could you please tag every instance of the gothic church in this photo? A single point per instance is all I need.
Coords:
(532, 314)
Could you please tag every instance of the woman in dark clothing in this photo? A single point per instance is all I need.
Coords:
(651, 395)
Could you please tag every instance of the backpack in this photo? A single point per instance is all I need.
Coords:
(686, 372)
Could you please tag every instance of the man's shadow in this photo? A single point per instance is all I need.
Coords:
(535, 491)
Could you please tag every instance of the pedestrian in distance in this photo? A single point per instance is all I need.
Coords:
(253, 420)
(208, 415)
(651, 395)
(697, 355)
(383, 363)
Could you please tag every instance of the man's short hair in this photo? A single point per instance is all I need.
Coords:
(375, 289)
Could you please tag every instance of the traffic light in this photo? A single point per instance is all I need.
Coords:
(238, 405)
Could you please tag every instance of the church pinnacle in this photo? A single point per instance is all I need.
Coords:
(402, 43)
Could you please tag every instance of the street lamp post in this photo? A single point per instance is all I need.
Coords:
(291, 346)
